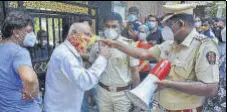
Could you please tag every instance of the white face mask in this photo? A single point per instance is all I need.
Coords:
(29, 40)
(198, 24)
(110, 34)
(167, 33)
(223, 35)
(142, 36)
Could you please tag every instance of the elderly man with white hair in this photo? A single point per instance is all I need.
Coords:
(66, 78)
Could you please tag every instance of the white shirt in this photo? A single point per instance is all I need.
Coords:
(67, 79)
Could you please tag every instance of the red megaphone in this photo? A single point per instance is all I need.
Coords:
(161, 69)
(141, 95)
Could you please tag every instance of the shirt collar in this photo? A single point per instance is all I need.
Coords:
(71, 48)
(188, 40)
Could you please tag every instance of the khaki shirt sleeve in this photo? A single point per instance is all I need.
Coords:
(207, 63)
(157, 49)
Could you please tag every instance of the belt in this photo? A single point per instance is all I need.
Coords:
(198, 109)
(115, 89)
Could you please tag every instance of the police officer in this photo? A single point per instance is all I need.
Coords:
(121, 71)
(194, 72)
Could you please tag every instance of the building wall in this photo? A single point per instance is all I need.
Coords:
(104, 10)
(119, 7)
(146, 8)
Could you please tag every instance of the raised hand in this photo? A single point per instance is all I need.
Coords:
(104, 51)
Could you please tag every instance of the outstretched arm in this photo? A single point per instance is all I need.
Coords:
(133, 51)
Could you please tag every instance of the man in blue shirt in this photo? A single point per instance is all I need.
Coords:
(155, 35)
(18, 81)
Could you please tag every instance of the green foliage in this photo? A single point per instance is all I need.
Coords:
(212, 11)
(36, 24)
(224, 12)
(50, 29)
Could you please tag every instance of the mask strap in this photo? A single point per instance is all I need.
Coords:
(21, 33)
(181, 24)
(19, 39)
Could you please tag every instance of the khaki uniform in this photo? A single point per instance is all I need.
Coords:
(117, 74)
(190, 62)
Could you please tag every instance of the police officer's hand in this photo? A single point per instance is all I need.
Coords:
(161, 84)
(104, 51)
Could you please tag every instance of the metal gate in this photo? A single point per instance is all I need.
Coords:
(52, 20)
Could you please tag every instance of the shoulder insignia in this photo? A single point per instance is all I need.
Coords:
(211, 57)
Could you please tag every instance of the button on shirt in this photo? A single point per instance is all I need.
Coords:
(67, 79)
(184, 68)
(118, 72)
(12, 57)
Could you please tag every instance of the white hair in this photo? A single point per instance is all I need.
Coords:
(79, 27)
(73, 28)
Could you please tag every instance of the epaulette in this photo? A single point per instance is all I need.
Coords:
(202, 38)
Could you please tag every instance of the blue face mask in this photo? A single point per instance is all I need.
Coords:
(132, 18)
(29, 40)
(151, 25)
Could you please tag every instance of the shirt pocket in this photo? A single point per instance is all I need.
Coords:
(181, 69)
(119, 61)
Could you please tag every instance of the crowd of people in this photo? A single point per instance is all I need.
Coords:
(87, 68)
